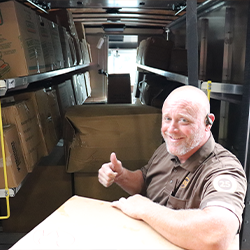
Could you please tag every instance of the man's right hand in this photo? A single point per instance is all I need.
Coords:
(110, 171)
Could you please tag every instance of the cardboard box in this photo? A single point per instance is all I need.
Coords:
(85, 51)
(88, 83)
(79, 88)
(47, 44)
(83, 223)
(57, 47)
(55, 112)
(20, 47)
(119, 88)
(23, 116)
(72, 49)
(93, 132)
(46, 126)
(156, 52)
(64, 18)
(68, 62)
(15, 165)
(178, 62)
(87, 185)
(80, 30)
(65, 96)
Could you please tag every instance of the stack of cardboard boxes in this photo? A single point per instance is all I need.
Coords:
(30, 131)
(37, 118)
(93, 132)
(33, 120)
(37, 44)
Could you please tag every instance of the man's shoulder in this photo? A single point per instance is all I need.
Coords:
(224, 157)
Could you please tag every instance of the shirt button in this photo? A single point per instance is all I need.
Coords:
(175, 170)
(171, 181)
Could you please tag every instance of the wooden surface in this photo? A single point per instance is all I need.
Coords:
(83, 223)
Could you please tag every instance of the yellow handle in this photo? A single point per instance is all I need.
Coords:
(7, 195)
(209, 84)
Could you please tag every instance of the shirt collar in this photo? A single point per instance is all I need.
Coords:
(195, 160)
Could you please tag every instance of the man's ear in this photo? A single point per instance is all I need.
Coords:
(209, 119)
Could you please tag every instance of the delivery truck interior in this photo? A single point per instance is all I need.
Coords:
(71, 68)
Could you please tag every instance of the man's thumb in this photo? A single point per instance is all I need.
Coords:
(113, 160)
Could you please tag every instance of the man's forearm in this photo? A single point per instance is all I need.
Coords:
(130, 181)
(193, 229)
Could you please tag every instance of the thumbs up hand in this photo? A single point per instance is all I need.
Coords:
(110, 171)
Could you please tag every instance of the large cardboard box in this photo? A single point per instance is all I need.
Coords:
(46, 126)
(15, 165)
(87, 185)
(23, 115)
(20, 47)
(93, 132)
(47, 44)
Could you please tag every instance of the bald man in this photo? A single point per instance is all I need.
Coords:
(192, 189)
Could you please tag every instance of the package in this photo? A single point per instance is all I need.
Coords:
(88, 83)
(87, 185)
(47, 44)
(15, 165)
(140, 51)
(63, 17)
(156, 52)
(23, 116)
(119, 88)
(85, 51)
(43, 112)
(65, 96)
(20, 47)
(57, 47)
(79, 54)
(178, 62)
(93, 132)
(55, 112)
(79, 88)
(154, 89)
(68, 62)
(80, 30)
(83, 223)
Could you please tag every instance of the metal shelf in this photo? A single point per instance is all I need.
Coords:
(221, 91)
(224, 88)
(12, 192)
(23, 82)
(171, 76)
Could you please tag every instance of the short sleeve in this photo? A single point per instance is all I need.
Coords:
(226, 189)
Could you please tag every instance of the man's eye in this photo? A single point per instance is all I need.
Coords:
(183, 120)
(167, 118)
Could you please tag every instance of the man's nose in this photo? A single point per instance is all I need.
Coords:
(173, 126)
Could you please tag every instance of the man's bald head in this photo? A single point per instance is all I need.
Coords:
(192, 96)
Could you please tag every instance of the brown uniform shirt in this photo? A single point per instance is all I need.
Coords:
(211, 177)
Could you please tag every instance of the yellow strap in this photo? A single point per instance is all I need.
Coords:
(7, 195)
(209, 84)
